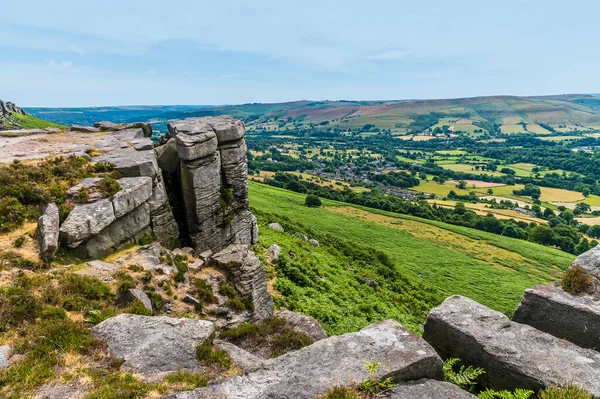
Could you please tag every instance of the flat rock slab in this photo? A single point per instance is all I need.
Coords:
(130, 162)
(134, 192)
(550, 309)
(428, 389)
(339, 360)
(152, 345)
(513, 355)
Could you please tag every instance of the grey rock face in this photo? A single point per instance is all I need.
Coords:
(85, 221)
(164, 227)
(142, 144)
(273, 251)
(248, 276)
(167, 156)
(550, 309)
(48, 231)
(428, 389)
(311, 371)
(4, 357)
(590, 261)
(134, 294)
(213, 174)
(306, 324)
(131, 163)
(245, 360)
(134, 192)
(512, 354)
(151, 345)
(276, 227)
(254, 238)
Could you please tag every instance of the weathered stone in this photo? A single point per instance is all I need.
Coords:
(84, 129)
(134, 192)
(104, 266)
(512, 354)
(91, 186)
(164, 227)
(4, 356)
(151, 345)
(134, 294)
(131, 163)
(301, 236)
(48, 231)
(313, 242)
(313, 370)
(254, 237)
(273, 251)
(159, 194)
(191, 300)
(205, 256)
(276, 227)
(127, 229)
(305, 324)
(226, 128)
(142, 144)
(85, 221)
(167, 156)
(248, 276)
(550, 309)
(105, 125)
(428, 389)
(590, 261)
(243, 359)
(194, 139)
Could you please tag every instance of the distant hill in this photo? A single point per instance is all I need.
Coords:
(13, 117)
(503, 114)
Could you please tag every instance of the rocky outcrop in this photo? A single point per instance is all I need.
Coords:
(48, 231)
(151, 345)
(311, 371)
(550, 309)
(7, 120)
(84, 129)
(512, 354)
(244, 269)
(590, 261)
(428, 389)
(213, 178)
(305, 324)
(6, 108)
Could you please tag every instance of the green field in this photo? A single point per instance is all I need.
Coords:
(491, 269)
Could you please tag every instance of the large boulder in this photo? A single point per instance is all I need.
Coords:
(134, 192)
(245, 270)
(550, 309)
(305, 324)
(85, 221)
(512, 354)
(590, 261)
(340, 360)
(48, 231)
(131, 163)
(133, 294)
(428, 389)
(151, 345)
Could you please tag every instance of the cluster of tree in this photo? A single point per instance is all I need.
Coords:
(396, 179)
(561, 231)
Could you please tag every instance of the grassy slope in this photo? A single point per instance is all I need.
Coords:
(491, 269)
(31, 122)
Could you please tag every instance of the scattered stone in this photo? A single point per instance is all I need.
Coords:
(305, 324)
(313, 242)
(550, 309)
(99, 265)
(191, 300)
(248, 276)
(196, 265)
(205, 256)
(151, 345)
(84, 129)
(313, 370)
(273, 251)
(512, 354)
(428, 389)
(134, 294)
(590, 261)
(48, 231)
(276, 227)
(243, 359)
(4, 356)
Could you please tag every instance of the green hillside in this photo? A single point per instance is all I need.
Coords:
(429, 261)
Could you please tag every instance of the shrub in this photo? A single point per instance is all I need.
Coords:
(103, 167)
(290, 341)
(13, 259)
(204, 291)
(12, 214)
(84, 286)
(517, 394)
(341, 393)
(83, 195)
(373, 385)
(124, 283)
(576, 280)
(180, 262)
(135, 268)
(17, 305)
(18, 243)
(226, 290)
(565, 392)
(312, 201)
(146, 239)
(52, 313)
(109, 186)
(157, 300)
(207, 354)
(235, 304)
(186, 380)
(137, 307)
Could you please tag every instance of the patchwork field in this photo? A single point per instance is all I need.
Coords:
(491, 269)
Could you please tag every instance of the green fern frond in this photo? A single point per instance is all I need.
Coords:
(465, 378)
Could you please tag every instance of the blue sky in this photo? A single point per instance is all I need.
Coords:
(84, 53)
